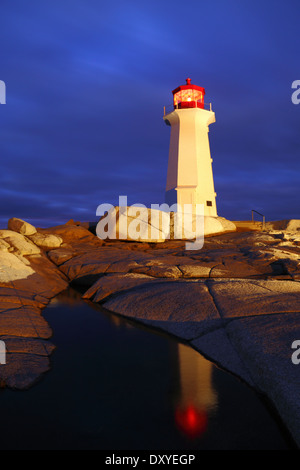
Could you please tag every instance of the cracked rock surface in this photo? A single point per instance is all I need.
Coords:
(236, 301)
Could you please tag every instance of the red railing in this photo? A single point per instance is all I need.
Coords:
(168, 109)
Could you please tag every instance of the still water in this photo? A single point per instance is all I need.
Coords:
(115, 385)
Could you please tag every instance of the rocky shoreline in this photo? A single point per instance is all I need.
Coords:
(237, 300)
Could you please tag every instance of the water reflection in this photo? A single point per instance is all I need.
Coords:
(127, 388)
(195, 396)
(70, 297)
(73, 298)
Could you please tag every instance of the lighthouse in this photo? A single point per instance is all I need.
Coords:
(190, 176)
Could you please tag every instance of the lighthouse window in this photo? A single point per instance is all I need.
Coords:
(187, 95)
(209, 203)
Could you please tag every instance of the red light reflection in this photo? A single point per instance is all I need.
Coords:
(191, 421)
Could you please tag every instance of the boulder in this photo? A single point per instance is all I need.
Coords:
(69, 233)
(4, 246)
(133, 223)
(289, 225)
(19, 243)
(46, 242)
(28, 279)
(20, 226)
(227, 225)
(12, 268)
(155, 226)
(293, 225)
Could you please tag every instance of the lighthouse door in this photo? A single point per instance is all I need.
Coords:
(186, 195)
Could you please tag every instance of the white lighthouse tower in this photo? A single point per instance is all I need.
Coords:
(190, 176)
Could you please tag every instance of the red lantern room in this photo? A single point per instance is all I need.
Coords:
(188, 96)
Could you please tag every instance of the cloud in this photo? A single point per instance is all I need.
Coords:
(86, 85)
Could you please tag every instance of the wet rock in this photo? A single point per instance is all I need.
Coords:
(234, 315)
(26, 285)
(28, 279)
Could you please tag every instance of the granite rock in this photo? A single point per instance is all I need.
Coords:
(20, 226)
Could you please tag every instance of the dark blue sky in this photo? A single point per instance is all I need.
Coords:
(86, 84)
